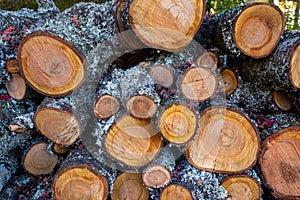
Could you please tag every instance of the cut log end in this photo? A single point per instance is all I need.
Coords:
(295, 68)
(229, 81)
(50, 65)
(17, 128)
(156, 176)
(178, 124)
(134, 142)
(208, 59)
(258, 28)
(164, 24)
(38, 161)
(176, 192)
(227, 142)
(141, 107)
(198, 84)
(16, 86)
(282, 101)
(129, 185)
(106, 106)
(242, 187)
(60, 149)
(162, 75)
(59, 126)
(280, 161)
(11, 66)
(80, 182)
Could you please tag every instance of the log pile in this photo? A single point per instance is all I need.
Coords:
(173, 122)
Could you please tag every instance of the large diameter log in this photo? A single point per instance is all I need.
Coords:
(176, 192)
(242, 187)
(134, 142)
(166, 24)
(280, 161)
(129, 185)
(50, 65)
(80, 182)
(227, 142)
(253, 29)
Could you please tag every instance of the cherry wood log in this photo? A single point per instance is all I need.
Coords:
(280, 161)
(177, 124)
(55, 120)
(242, 187)
(176, 192)
(38, 161)
(280, 71)
(50, 65)
(16, 86)
(227, 142)
(164, 24)
(134, 142)
(158, 173)
(141, 106)
(281, 100)
(11, 66)
(162, 75)
(229, 80)
(253, 29)
(129, 185)
(208, 59)
(106, 106)
(198, 84)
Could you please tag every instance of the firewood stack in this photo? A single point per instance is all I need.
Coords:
(176, 122)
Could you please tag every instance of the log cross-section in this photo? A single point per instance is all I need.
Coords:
(141, 107)
(175, 192)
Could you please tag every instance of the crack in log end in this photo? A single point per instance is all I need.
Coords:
(291, 174)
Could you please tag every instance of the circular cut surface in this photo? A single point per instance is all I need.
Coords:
(141, 107)
(280, 161)
(295, 68)
(161, 75)
(38, 161)
(16, 86)
(80, 183)
(226, 142)
(129, 185)
(175, 192)
(257, 29)
(50, 65)
(208, 59)
(229, 80)
(106, 106)
(178, 124)
(242, 187)
(198, 84)
(165, 24)
(58, 126)
(135, 142)
(156, 176)
(283, 102)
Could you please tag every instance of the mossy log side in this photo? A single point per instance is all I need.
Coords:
(129, 185)
(279, 162)
(227, 142)
(241, 187)
(279, 71)
(253, 29)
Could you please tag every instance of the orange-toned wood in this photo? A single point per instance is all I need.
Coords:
(175, 192)
(229, 80)
(141, 107)
(281, 100)
(162, 75)
(16, 86)
(11, 66)
(106, 106)
(208, 59)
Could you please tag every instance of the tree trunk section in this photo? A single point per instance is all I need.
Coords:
(280, 161)
(175, 192)
(106, 106)
(11, 66)
(227, 142)
(16, 86)
(208, 59)
(141, 107)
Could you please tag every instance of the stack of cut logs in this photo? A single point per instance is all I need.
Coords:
(251, 64)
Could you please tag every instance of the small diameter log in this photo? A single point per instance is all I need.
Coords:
(22, 123)
(16, 86)
(229, 80)
(141, 107)
(159, 172)
(253, 29)
(11, 66)
(134, 142)
(242, 187)
(198, 84)
(50, 65)
(129, 185)
(176, 192)
(59, 149)
(106, 106)
(38, 161)
(164, 24)
(162, 75)
(227, 142)
(208, 59)
(178, 124)
(280, 161)
(55, 120)
(282, 100)
(80, 182)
